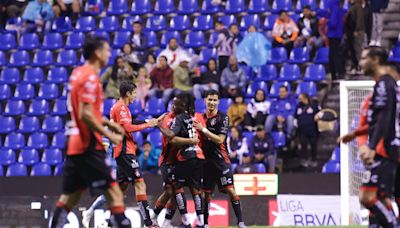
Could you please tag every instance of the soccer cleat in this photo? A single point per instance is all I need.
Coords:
(86, 217)
(184, 226)
(153, 217)
(206, 226)
(241, 225)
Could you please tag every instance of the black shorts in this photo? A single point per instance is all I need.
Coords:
(381, 176)
(189, 173)
(167, 172)
(128, 169)
(91, 169)
(217, 174)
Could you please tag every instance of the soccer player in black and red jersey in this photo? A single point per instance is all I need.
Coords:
(86, 162)
(217, 169)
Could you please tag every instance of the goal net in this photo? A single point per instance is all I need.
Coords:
(352, 94)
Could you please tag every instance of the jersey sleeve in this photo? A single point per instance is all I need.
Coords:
(89, 90)
(223, 130)
(177, 125)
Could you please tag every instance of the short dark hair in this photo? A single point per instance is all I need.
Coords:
(211, 92)
(285, 87)
(378, 52)
(281, 12)
(92, 44)
(307, 7)
(163, 56)
(137, 22)
(146, 142)
(233, 24)
(187, 100)
(125, 87)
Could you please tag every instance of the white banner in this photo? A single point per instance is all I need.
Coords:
(308, 210)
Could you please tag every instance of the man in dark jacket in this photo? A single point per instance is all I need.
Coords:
(378, 6)
(139, 42)
(262, 147)
(308, 29)
(355, 31)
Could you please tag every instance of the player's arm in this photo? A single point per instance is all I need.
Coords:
(216, 138)
(180, 141)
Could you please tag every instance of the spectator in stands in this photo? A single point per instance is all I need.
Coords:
(162, 80)
(323, 30)
(355, 31)
(14, 8)
(139, 42)
(114, 75)
(3, 18)
(237, 145)
(285, 31)
(262, 148)
(257, 111)
(93, 7)
(67, 8)
(308, 31)
(233, 78)
(225, 45)
(234, 30)
(335, 35)
(130, 56)
(247, 166)
(37, 16)
(306, 118)
(143, 85)
(368, 18)
(208, 80)
(174, 53)
(183, 81)
(148, 159)
(378, 6)
(151, 63)
(236, 111)
(281, 113)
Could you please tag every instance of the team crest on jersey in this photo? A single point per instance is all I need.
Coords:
(213, 121)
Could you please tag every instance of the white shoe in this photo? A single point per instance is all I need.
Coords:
(241, 225)
(372, 43)
(378, 43)
(153, 217)
(86, 217)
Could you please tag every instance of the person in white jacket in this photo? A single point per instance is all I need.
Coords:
(257, 111)
(237, 145)
(175, 54)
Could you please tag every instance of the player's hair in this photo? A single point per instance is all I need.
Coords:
(187, 100)
(91, 45)
(211, 92)
(125, 87)
(378, 52)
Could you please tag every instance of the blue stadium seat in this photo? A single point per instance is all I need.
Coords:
(19, 59)
(212, 40)
(127, 22)
(28, 157)
(279, 139)
(168, 35)
(152, 40)
(16, 170)
(14, 141)
(227, 20)
(250, 92)
(141, 7)
(322, 56)
(156, 23)
(75, 40)
(33, 75)
(121, 38)
(29, 125)
(206, 54)
(107, 104)
(269, 22)
(138, 138)
(301, 3)
(309, 88)
(52, 124)
(248, 135)
(208, 8)
(48, 91)
(103, 34)
(7, 156)
(188, 6)
(224, 104)
(5, 92)
(394, 54)
(279, 5)
(24, 91)
(154, 107)
(331, 167)
(109, 24)
(14, 108)
(64, 92)
(195, 39)
(323, 7)
(164, 7)
(1, 171)
(57, 75)
(260, 168)
(93, 8)
(258, 6)
(59, 140)
(37, 141)
(278, 55)
(250, 19)
(29, 41)
(3, 61)
(67, 58)
(62, 24)
(114, 54)
(135, 107)
(155, 138)
(52, 41)
(10, 76)
(179, 23)
(42, 58)
(143, 118)
(60, 108)
(52, 156)
(41, 169)
(200, 105)
(274, 92)
(117, 7)
(289, 72)
(203, 22)
(85, 24)
(7, 41)
(315, 72)
(295, 17)
(299, 55)
(233, 167)
(38, 107)
(58, 171)
(7, 124)
(266, 73)
(235, 6)
(336, 154)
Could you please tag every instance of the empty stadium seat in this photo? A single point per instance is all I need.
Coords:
(52, 41)
(227, 20)
(195, 39)
(57, 75)
(203, 22)
(127, 22)
(258, 6)
(52, 124)
(164, 7)
(37, 141)
(103, 34)
(7, 156)
(323, 7)
(299, 55)
(16, 170)
(29, 41)
(152, 40)
(33, 75)
(213, 39)
(168, 35)
(278, 55)
(75, 40)
(206, 54)
(251, 19)
(274, 92)
(121, 38)
(19, 59)
(235, 6)
(24, 91)
(58, 170)
(141, 7)
(7, 124)
(117, 7)
(85, 24)
(156, 23)
(322, 56)
(279, 139)
(279, 5)
(224, 104)
(260, 168)
(302, 3)
(28, 157)
(136, 107)
(394, 54)
(14, 141)
(1, 171)
(200, 105)
(187, 6)
(209, 8)
(248, 135)
(29, 125)
(41, 169)
(52, 156)
(315, 72)
(154, 107)
(62, 24)
(59, 140)
(5, 92)
(109, 24)
(42, 58)
(107, 104)
(67, 58)
(331, 167)
(9, 76)
(179, 23)
(60, 107)
(266, 73)
(14, 108)
(289, 72)
(138, 138)
(155, 138)
(48, 91)
(38, 107)
(7, 41)
(336, 154)
(3, 61)
(269, 22)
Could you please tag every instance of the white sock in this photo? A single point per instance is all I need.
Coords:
(185, 219)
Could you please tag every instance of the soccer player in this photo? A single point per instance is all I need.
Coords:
(217, 169)
(128, 170)
(86, 162)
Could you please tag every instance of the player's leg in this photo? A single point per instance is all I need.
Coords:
(141, 198)
(397, 189)
(209, 182)
(167, 172)
(207, 201)
(181, 174)
(88, 214)
(379, 212)
(198, 205)
(170, 211)
(64, 205)
(115, 200)
(195, 183)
